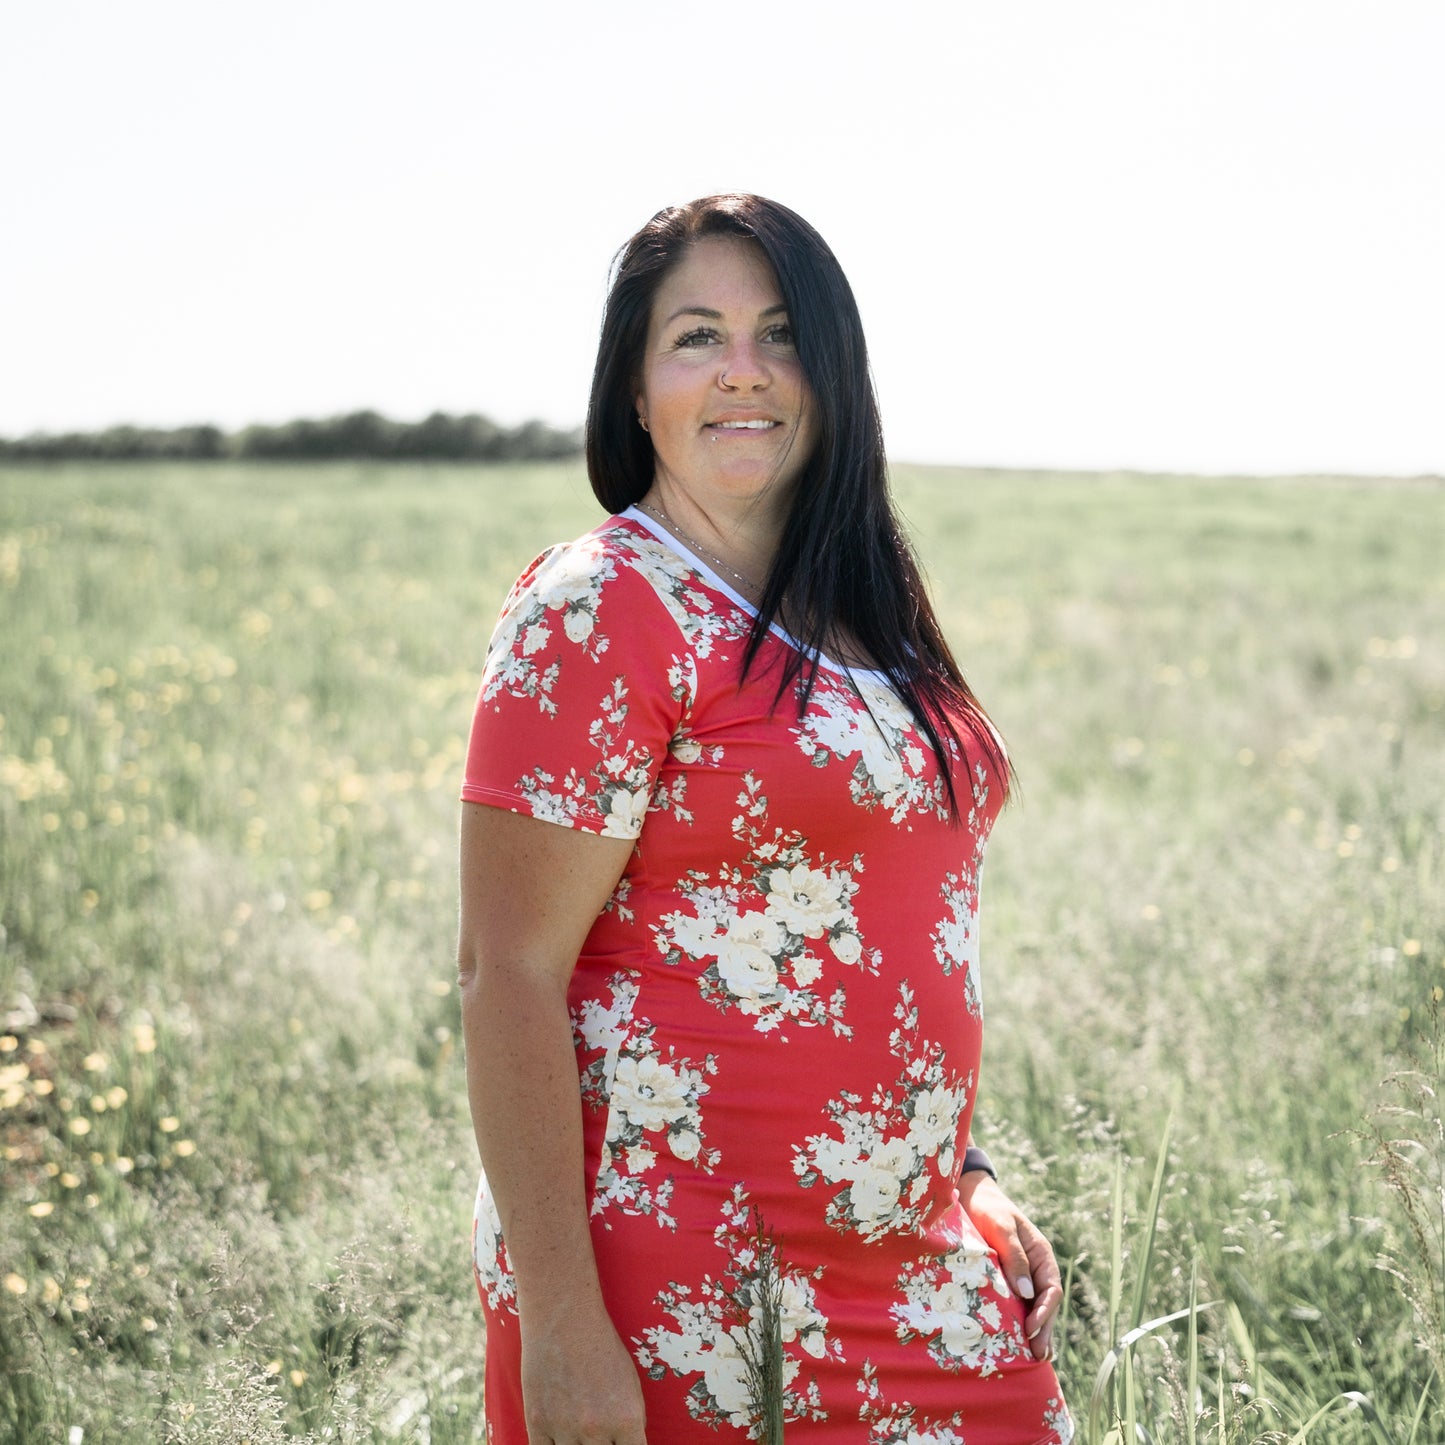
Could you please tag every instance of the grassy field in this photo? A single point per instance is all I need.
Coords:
(237, 1168)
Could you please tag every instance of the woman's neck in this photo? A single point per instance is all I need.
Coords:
(730, 549)
(738, 536)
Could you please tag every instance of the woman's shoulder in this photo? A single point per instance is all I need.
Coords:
(578, 572)
(621, 568)
(579, 555)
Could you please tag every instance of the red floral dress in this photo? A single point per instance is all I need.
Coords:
(777, 1016)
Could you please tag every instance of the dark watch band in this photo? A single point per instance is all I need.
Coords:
(975, 1158)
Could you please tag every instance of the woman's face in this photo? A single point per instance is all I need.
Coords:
(722, 392)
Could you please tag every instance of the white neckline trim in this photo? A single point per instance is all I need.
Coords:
(720, 584)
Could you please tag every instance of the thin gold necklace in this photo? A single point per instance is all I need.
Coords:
(697, 546)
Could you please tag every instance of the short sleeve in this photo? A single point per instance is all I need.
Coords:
(576, 708)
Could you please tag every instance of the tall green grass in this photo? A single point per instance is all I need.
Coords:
(237, 1168)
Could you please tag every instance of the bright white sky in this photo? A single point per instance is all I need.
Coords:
(1203, 235)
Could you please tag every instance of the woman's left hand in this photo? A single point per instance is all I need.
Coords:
(1026, 1256)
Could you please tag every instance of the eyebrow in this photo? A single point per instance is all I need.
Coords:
(716, 315)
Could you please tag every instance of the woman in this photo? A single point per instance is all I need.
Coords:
(752, 938)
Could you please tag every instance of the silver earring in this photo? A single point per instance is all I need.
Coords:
(642, 421)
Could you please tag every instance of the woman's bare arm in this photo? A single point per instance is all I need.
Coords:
(530, 891)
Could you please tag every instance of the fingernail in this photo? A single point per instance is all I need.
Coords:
(1025, 1286)
(1033, 1333)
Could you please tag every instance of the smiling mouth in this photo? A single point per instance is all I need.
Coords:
(759, 425)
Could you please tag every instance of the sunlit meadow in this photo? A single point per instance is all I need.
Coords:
(237, 1168)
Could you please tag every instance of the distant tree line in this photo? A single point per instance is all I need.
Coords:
(363, 435)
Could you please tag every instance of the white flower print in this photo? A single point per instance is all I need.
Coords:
(807, 969)
(750, 928)
(604, 1026)
(805, 900)
(522, 679)
(715, 1325)
(578, 623)
(617, 788)
(652, 1094)
(900, 1424)
(799, 1316)
(697, 933)
(639, 1159)
(489, 1254)
(671, 797)
(653, 1103)
(625, 812)
(685, 750)
(682, 680)
(955, 937)
(528, 651)
(954, 941)
(874, 731)
(877, 1184)
(617, 903)
(935, 1119)
(1058, 1419)
(545, 804)
(565, 585)
(745, 961)
(884, 1155)
(980, 821)
(676, 583)
(951, 1303)
(685, 1144)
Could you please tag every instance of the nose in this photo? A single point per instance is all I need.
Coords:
(744, 367)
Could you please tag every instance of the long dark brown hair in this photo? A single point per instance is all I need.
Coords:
(843, 562)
